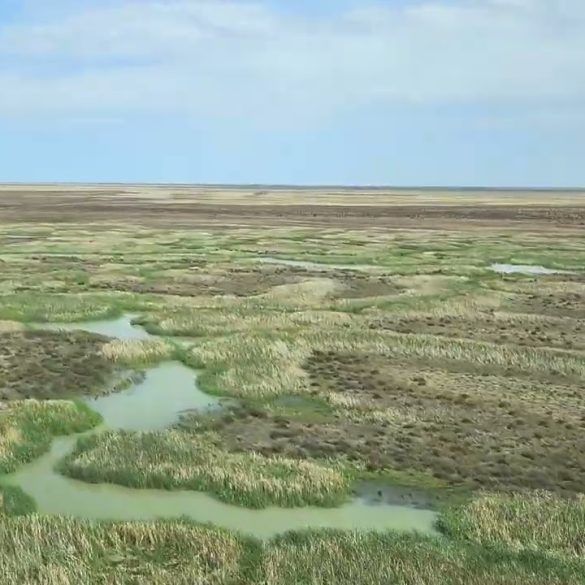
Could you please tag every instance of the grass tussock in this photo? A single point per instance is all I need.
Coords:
(10, 326)
(14, 502)
(61, 551)
(356, 558)
(137, 351)
(537, 521)
(245, 318)
(27, 428)
(177, 460)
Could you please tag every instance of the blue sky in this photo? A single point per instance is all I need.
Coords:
(395, 92)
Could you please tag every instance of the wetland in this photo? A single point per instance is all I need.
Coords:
(179, 405)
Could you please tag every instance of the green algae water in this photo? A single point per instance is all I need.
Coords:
(156, 403)
(120, 328)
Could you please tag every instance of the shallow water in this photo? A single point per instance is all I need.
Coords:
(121, 328)
(155, 403)
(318, 265)
(56, 494)
(525, 269)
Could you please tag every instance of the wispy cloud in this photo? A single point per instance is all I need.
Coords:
(247, 58)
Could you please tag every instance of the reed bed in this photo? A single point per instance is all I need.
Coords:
(28, 426)
(61, 551)
(177, 460)
(10, 326)
(538, 521)
(357, 558)
(137, 351)
(246, 317)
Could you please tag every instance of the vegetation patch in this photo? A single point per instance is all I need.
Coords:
(537, 521)
(132, 352)
(27, 428)
(55, 550)
(49, 364)
(485, 431)
(14, 502)
(178, 460)
(357, 558)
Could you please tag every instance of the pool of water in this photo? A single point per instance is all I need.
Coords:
(121, 328)
(318, 265)
(156, 403)
(525, 269)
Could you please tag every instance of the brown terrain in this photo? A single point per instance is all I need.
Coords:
(250, 206)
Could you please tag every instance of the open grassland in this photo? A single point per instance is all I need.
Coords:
(393, 355)
(27, 428)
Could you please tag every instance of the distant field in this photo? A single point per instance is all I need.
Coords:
(363, 346)
(220, 205)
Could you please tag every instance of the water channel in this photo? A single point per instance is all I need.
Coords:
(155, 403)
(526, 269)
(320, 265)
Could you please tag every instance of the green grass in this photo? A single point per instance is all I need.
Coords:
(60, 551)
(255, 348)
(54, 551)
(28, 427)
(531, 522)
(324, 557)
(14, 502)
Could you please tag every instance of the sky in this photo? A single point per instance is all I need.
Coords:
(368, 92)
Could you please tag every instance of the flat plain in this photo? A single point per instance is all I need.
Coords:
(363, 346)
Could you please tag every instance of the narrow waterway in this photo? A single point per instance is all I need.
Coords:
(525, 269)
(155, 403)
(319, 265)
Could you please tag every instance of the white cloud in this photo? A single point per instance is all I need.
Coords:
(240, 57)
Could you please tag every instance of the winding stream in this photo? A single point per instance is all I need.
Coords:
(155, 403)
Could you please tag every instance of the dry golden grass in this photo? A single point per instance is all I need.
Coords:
(137, 351)
(537, 522)
(307, 293)
(61, 551)
(10, 326)
(256, 364)
(179, 460)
